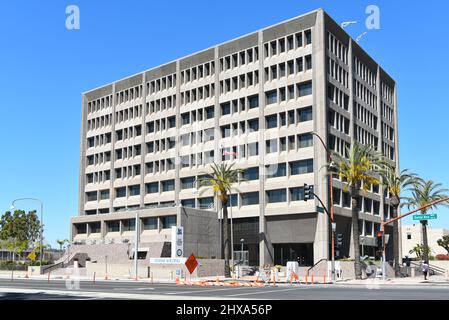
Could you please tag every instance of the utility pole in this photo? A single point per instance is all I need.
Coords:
(136, 245)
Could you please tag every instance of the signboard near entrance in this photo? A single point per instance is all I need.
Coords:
(425, 216)
(191, 263)
(177, 242)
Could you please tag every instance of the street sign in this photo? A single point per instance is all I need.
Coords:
(191, 263)
(425, 216)
(319, 209)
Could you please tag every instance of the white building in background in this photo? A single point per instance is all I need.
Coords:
(411, 236)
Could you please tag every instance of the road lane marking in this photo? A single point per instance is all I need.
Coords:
(262, 292)
(210, 290)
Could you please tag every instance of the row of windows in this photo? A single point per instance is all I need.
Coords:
(364, 94)
(98, 177)
(239, 82)
(339, 122)
(388, 151)
(239, 105)
(161, 145)
(99, 104)
(337, 48)
(387, 112)
(337, 72)
(128, 114)
(198, 72)
(151, 223)
(99, 140)
(288, 68)
(366, 205)
(365, 137)
(127, 172)
(387, 132)
(338, 97)
(99, 158)
(365, 116)
(365, 73)
(128, 133)
(99, 122)
(161, 104)
(239, 59)
(128, 152)
(291, 92)
(161, 124)
(387, 93)
(129, 94)
(163, 83)
(288, 43)
(200, 93)
(338, 145)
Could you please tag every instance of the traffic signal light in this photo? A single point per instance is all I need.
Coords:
(308, 192)
(339, 242)
(380, 240)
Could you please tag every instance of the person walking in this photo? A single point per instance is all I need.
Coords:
(425, 269)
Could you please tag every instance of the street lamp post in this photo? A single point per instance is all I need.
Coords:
(331, 205)
(41, 231)
(136, 245)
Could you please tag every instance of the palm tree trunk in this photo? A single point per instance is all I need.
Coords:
(424, 241)
(226, 240)
(355, 233)
(397, 267)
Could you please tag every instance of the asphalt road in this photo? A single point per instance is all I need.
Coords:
(25, 289)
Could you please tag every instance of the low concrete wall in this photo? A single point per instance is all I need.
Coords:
(206, 268)
(444, 264)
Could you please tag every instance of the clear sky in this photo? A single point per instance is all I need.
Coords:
(44, 68)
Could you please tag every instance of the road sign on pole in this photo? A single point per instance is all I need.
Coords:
(425, 216)
(191, 263)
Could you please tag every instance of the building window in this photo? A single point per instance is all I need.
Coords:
(168, 185)
(250, 198)
(206, 203)
(168, 222)
(301, 167)
(81, 228)
(113, 226)
(188, 183)
(129, 225)
(271, 145)
(209, 112)
(253, 124)
(272, 121)
(253, 101)
(276, 196)
(95, 227)
(272, 97)
(305, 140)
(188, 203)
(152, 187)
(104, 194)
(91, 196)
(251, 174)
(305, 114)
(225, 109)
(277, 170)
(409, 236)
(253, 149)
(149, 224)
(308, 35)
(134, 190)
(305, 89)
(120, 192)
(297, 194)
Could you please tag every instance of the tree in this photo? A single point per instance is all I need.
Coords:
(20, 226)
(420, 252)
(444, 242)
(61, 244)
(424, 193)
(221, 179)
(359, 171)
(395, 183)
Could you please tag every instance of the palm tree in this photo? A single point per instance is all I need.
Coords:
(423, 194)
(61, 244)
(221, 179)
(396, 183)
(359, 171)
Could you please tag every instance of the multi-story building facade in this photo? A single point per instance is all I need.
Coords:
(255, 101)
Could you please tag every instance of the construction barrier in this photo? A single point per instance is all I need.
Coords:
(204, 283)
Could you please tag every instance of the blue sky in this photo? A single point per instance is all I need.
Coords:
(44, 68)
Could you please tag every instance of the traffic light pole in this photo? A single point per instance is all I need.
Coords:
(307, 192)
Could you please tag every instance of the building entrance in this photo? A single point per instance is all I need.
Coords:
(300, 252)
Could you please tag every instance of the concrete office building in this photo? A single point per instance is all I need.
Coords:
(253, 100)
